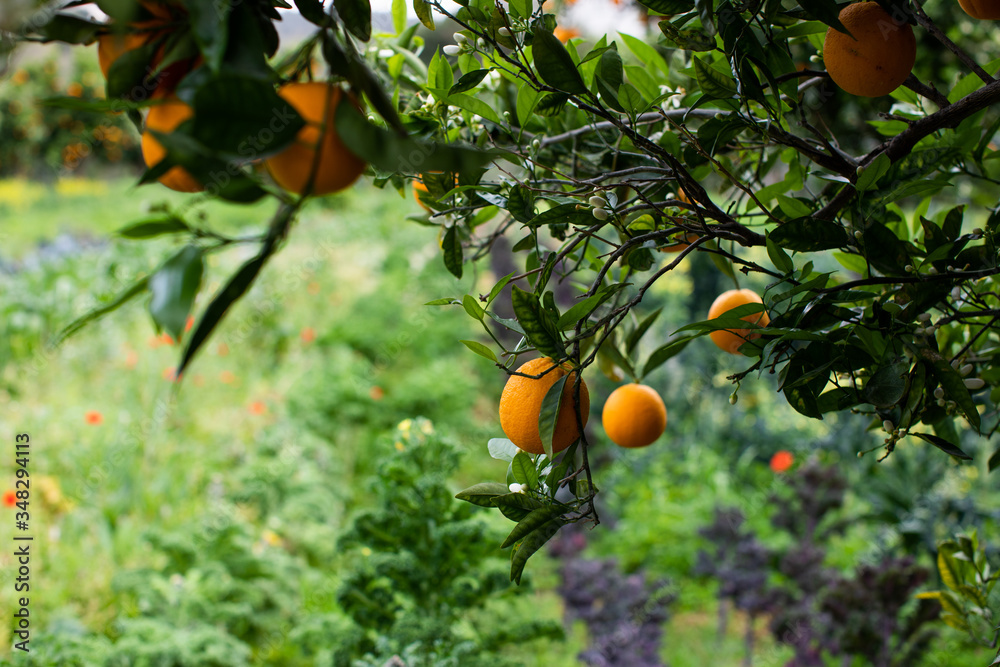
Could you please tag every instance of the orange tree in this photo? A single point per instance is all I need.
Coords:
(867, 225)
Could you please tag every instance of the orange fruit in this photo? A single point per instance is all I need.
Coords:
(731, 339)
(981, 9)
(521, 403)
(634, 416)
(418, 187)
(165, 118)
(338, 167)
(565, 34)
(879, 56)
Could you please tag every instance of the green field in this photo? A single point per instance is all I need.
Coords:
(203, 522)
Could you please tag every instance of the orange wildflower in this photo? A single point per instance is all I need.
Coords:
(782, 461)
(93, 417)
(9, 498)
(257, 408)
(308, 335)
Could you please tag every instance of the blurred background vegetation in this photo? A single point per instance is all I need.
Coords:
(264, 511)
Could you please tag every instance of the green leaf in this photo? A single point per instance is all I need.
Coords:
(537, 324)
(779, 257)
(523, 469)
(69, 29)
(483, 494)
(535, 520)
(584, 308)
(994, 461)
(529, 545)
(609, 78)
(664, 353)
(555, 65)
(827, 11)
(473, 308)
(469, 81)
(356, 16)
(221, 125)
(706, 15)
(809, 235)
(668, 7)
(391, 152)
(522, 8)
(953, 385)
(527, 99)
(424, 13)
(452, 247)
(562, 214)
(137, 288)
(943, 445)
(399, 15)
(230, 294)
(210, 25)
(476, 106)
(870, 175)
(886, 386)
(502, 449)
(495, 292)
(633, 338)
(156, 227)
(312, 11)
(480, 349)
(174, 287)
(712, 82)
(549, 414)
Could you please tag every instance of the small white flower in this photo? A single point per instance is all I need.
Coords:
(452, 50)
(516, 488)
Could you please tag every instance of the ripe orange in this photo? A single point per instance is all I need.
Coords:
(521, 403)
(565, 34)
(338, 167)
(981, 9)
(879, 56)
(634, 416)
(165, 118)
(731, 339)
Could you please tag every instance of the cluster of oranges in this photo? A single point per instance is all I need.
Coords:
(634, 414)
(316, 163)
(878, 55)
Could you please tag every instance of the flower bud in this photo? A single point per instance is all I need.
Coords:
(598, 202)
(908, 268)
(481, 43)
(965, 370)
(932, 271)
(452, 50)
(733, 398)
(600, 214)
(515, 488)
(939, 393)
(972, 384)
(459, 38)
(503, 32)
(888, 426)
(924, 317)
(956, 292)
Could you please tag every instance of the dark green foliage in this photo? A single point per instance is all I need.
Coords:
(423, 561)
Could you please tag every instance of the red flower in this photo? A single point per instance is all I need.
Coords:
(782, 461)
(9, 498)
(93, 417)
